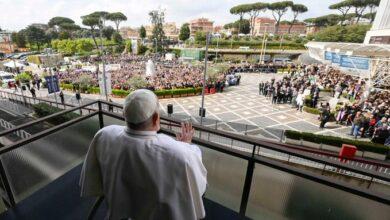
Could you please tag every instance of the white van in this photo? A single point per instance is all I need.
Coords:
(6, 77)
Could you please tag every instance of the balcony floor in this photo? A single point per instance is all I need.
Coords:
(60, 200)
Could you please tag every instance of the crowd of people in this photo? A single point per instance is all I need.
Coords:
(367, 114)
(169, 74)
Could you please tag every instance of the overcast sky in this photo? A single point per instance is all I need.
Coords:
(17, 14)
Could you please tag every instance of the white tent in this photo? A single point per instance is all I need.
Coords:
(13, 64)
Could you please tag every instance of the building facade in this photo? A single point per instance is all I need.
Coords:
(267, 25)
(129, 33)
(170, 30)
(201, 24)
(6, 45)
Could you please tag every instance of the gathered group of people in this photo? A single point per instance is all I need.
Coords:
(368, 118)
(169, 74)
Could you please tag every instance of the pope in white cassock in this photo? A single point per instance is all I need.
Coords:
(142, 174)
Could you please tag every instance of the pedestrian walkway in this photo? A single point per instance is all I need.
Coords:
(238, 109)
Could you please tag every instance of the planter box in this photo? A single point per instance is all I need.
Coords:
(374, 155)
(311, 144)
(292, 141)
(330, 148)
(176, 96)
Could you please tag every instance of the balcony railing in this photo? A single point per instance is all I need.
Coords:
(256, 178)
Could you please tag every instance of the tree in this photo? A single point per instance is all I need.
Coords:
(19, 39)
(117, 38)
(336, 33)
(360, 6)
(184, 32)
(254, 11)
(200, 36)
(142, 32)
(296, 9)
(370, 16)
(326, 20)
(278, 10)
(372, 4)
(107, 32)
(117, 18)
(343, 7)
(57, 22)
(157, 18)
(239, 10)
(35, 36)
(96, 21)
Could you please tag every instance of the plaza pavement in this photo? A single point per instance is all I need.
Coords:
(238, 109)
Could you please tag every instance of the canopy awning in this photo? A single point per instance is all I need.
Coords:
(13, 64)
(353, 49)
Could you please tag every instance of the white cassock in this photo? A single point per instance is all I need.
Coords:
(144, 175)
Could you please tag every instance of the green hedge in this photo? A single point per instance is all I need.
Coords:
(124, 93)
(310, 110)
(326, 90)
(337, 141)
(44, 109)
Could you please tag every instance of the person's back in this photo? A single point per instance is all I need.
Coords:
(155, 181)
(142, 174)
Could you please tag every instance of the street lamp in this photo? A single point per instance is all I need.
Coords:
(202, 110)
(51, 74)
(102, 57)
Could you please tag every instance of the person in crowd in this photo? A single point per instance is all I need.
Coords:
(324, 115)
(299, 100)
(62, 97)
(357, 123)
(32, 91)
(141, 173)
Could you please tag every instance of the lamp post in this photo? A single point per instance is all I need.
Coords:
(51, 75)
(208, 36)
(216, 53)
(102, 57)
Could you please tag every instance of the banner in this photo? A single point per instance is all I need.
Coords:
(354, 62)
(328, 55)
(52, 84)
(335, 58)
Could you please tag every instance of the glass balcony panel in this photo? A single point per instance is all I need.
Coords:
(225, 176)
(38, 163)
(279, 195)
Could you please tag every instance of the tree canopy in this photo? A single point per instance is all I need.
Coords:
(296, 9)
(117, 18)
(157, 18)
(142, 32)
(184, 32)
(59, 21)
(278, 10)
(35, 36)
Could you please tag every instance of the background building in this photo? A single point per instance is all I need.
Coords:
(129, 33)
(170, 30)
(267, 25)
(201, 24)
(5, 43)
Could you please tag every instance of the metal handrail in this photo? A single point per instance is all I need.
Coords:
(252, 159)
(28, 124)
(252, 140)
(292, 152)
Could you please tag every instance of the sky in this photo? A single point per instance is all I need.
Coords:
(17, 14)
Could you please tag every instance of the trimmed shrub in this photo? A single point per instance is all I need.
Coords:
(44, 109)
(311, 110)
(337, 141)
